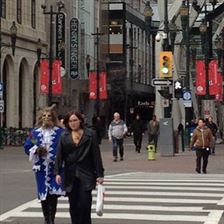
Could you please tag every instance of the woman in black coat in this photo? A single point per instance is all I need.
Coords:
(79, 153)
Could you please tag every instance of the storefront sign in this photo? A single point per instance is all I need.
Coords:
(74, 48)
(60, 38)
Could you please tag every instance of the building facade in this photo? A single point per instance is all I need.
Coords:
(19, 70)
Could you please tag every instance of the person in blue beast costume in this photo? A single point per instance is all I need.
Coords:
(41, 146)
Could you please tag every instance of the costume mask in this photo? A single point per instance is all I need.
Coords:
(47, 121)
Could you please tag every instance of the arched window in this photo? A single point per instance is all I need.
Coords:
(3, 12)
(19, 11)
(33, 13)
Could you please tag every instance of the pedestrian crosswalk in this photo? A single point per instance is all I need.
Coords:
(149, 198)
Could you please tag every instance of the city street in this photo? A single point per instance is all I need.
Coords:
(166, 190)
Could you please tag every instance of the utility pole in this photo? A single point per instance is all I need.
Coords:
(97, 34)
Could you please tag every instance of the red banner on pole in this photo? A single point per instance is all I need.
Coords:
(219, 96)
(92, 86)
(103, 86)
(44, 76)
(213, 77)
(56, 77)
(200, 78)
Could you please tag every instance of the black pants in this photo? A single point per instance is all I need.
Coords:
(49, 207)
(202, 154)
(138, 142)
(80, 202)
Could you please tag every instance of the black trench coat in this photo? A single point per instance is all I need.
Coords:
(82, 161)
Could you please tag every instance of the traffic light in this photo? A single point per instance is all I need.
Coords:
(178, 89)
(166, 64)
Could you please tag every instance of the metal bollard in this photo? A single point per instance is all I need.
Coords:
(151, 152)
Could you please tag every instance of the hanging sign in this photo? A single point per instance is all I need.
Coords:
(44, 76)
(56, 77)
(213, 77)
(103, 86)
(92, 86)
(60, 37)
(200, 78)
(74, 48)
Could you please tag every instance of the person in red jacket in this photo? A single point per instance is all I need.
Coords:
(201, 141)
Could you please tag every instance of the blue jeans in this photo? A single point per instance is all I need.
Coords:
(118, 143)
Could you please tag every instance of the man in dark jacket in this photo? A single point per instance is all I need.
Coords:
(138, 129)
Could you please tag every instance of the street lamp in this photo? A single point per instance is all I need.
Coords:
(148, 13)
(97, 34)
(60, 5)
(204, 45)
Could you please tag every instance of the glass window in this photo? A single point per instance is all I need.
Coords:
(33, 14)
(115, 27)
(19, 11)
(3, 9)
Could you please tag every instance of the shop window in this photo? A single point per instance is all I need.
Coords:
(115, 27)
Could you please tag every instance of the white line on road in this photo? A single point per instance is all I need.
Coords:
(219, 189)
(159, 193)
(213, 217)
(126, 216)
(140, 208)
(17, 210)
(159, 200)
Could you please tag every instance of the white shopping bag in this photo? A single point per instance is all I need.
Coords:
(100, 199)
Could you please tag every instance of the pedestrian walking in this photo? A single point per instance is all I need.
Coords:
(41, 146)
(137, 128)
(213, 127)
(98, 127)
(200, 142)
(153, 131)
(116, 133)
(79, 153)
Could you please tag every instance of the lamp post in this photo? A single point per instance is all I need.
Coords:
(97, 34)
(148, 13)
(184, 13)
(60, 5)
(204, 46)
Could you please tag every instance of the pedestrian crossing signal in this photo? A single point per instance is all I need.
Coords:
(166, 64)
(178, 89)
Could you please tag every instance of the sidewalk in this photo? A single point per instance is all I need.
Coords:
(182, 162)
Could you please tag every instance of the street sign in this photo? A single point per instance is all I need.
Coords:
(187, 95)
(162, 82)
(1, 106)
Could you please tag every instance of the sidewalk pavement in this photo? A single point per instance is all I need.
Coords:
(181, 162)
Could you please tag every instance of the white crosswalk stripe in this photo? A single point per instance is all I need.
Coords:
(143, 197)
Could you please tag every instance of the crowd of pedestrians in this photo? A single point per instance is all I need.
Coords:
(67, 161)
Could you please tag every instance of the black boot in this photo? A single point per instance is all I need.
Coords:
(52, 203)
(45, 209)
